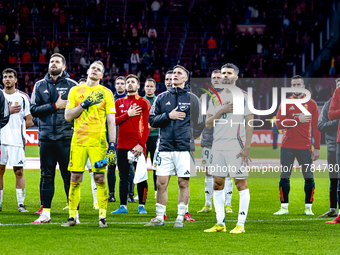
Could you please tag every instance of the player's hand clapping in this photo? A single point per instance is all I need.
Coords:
(134, 110)
(93, 98)
(175, 115)
(305, 118)
(14, 109)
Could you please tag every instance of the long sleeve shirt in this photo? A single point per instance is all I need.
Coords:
(299, 136)
(132, 130)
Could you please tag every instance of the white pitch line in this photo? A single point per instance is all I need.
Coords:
(139, 223)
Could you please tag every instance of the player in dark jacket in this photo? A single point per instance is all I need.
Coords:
(177, 113)
(48, 103)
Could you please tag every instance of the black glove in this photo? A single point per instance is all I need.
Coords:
(93, 98)
(111, 154)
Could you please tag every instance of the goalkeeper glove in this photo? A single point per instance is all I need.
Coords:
(93, 98)
(111, 154)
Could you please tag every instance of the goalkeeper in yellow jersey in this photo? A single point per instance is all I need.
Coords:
(90, 105)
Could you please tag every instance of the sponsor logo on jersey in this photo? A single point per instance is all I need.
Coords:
(45, 91)
(81, 97)
(183, 107)
(292, 108)
(122, 105)
(168, 103)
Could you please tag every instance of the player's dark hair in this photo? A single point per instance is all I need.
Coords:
(169, 72)
(132, 76)
(183, 68)
(120, 78)
(296, 77)
(59, 56)
(232, 66)
(150, 79)
(81, 81)
(10, 70)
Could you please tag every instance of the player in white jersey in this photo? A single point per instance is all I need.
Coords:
(206, 143)
(13, 135)
(230, 149)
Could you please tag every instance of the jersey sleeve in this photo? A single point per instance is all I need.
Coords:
(246, 108)
(71, 103)
(110, 103)
(27, 108)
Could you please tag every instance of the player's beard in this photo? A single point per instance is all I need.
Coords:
(228, 81)
(55, 72)
(297, 94)
(132, 90)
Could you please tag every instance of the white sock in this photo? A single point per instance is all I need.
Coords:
(284, 205)
(228, 190)
(181, 211)
(48, 214)
(20, 196)
(125, 206)
(332, 209)
(1, 197)
(307, 206)
(77, 215)
(219, 198)
(141, 205)
(160, 211)
(208, 185)
(243, 207)
(339, 211)
(94, 189)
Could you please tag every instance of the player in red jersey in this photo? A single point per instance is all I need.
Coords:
(333, 114)
(296, 143)
(132, 118)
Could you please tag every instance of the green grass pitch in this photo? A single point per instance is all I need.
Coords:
(265, 233)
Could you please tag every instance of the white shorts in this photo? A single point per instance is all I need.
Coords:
(13, 155)
(206, 153)
(225, 164)
(180, 163)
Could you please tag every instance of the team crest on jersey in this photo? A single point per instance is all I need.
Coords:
(204, 162)
(183, 107)
(71, 164)
(154, 164)
(306, 106)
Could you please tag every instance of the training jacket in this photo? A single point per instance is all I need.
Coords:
(177, 135)
(52, 123)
